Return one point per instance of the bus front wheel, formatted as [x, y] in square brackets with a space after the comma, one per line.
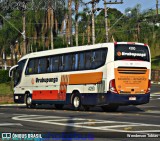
[76, 101]
[29, 103]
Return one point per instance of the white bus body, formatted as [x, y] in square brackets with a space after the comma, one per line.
[106, 75]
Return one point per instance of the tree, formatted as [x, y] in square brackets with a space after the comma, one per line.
[77, 15]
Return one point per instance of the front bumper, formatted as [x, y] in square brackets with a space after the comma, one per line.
[19, 98]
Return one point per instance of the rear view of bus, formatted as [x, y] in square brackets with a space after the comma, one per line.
[131, 79]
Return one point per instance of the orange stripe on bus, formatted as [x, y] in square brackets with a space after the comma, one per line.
[85, 78]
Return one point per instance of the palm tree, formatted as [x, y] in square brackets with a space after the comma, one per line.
[70, 22]
[77, 15]
[46, 25]
[85, 26]
[76, 20]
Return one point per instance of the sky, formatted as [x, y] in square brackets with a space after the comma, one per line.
[145, 4]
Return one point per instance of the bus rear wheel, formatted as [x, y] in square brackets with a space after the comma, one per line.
[59, 106]
[110, 108]
[76, 101]
[29, 103]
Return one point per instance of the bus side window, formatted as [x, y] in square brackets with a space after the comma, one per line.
[93, 61]
[81, 65]
[39, 66]
[54, 63]
[88, 56]
[67, 62]
[104, 54]
[30, 67]
[75, 62]
[43, 65]
[49, 66]
[61, 63]
[36, 61]
[100, 58]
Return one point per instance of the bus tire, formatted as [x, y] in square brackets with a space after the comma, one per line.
[29, 103]
[76, 101]
[110, 108]
[59, 106]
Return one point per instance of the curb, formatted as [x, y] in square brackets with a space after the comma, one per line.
[1, 105]
[153, 82]
[155, 93]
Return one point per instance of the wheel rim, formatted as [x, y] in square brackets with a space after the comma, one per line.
[29, 100]
[76, 102]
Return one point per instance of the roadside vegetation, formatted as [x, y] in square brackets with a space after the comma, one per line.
[6, 89]
[72, 26]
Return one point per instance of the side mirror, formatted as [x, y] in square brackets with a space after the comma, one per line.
[11, 70]
[10, 73]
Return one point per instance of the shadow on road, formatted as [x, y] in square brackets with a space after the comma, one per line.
[124, 109]
[129, 109]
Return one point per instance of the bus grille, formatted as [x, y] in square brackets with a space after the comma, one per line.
[129, 70]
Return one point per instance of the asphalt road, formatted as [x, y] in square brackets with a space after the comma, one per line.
[155, 89]
[128, 123]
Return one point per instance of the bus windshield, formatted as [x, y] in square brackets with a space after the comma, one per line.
[17, 72]
[131, 52]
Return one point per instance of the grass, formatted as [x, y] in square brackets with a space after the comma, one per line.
[156, 62]
[6, 102]
[6, 93]
[5, 89]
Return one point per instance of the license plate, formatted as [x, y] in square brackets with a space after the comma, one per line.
[132, 98]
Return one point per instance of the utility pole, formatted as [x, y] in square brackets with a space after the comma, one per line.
[24, 33]
[106, 15]
[93, 23]
[52, 24]
[138, 31]
[93, 2]
[70, 42]
[23, 9]
[157, 7]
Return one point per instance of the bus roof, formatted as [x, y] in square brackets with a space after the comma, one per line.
[72, 49]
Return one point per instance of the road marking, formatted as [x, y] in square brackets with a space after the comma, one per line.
[89, 123]
[155, 99]
[10, 124]
[39, 117]
[64, 120]
[155, 94]
[154, 112]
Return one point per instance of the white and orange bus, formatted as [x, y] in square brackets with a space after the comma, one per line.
[106, 75]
